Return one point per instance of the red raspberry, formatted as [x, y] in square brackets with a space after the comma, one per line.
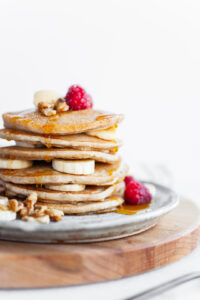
[128, 179]
[78, 99]
[137, 193]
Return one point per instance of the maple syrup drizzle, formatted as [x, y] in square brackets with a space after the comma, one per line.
[110, 172]
[128, 209]
[48, 142]
[103, 117]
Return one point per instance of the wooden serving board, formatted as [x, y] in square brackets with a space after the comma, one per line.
[36, 265]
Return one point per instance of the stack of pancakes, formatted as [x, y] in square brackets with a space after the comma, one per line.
[44, 145]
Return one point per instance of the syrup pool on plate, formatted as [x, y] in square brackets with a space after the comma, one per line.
[129, 209]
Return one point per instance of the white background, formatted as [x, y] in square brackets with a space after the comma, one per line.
[141, 58]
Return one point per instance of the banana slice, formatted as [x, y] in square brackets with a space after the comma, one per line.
[14, 163]
[66, 187]
[79, 167]
[7, 215]
[105, 134]
[46, 96]
[4, 201]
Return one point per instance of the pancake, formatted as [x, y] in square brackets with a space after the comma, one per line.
[14, 152]
[105, 174]
[107, 205]
[80, 141]
[91, 193]
[69, 122]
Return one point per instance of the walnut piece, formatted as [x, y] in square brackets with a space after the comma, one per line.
[40, 211]
[61, 105]
[55, 214]
[50, 109]
[46, 109]
[30, 202]
[15, 205]
[30, 211]
[23, 212]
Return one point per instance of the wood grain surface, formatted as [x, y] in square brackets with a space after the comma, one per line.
[36, 265]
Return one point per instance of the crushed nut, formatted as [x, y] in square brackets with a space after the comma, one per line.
[55, 214]
[15, 205]
[44, 220]
[50, 109]
[30, 202]
[56, 218]
[39, 211]
[61, 105]
[46, 109]
[44, 105]
[23, 212]
[30, 211]
[49, 112]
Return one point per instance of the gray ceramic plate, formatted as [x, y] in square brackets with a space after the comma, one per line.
[92, 228]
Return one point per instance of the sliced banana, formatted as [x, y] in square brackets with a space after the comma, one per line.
[4, 201]
[67, 187]
[79, 167]
[14, 163]
[105, 134]
[7, 215]
[46, 96]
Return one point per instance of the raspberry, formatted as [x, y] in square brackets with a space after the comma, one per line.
[128, 179]
[137, 193]
[78, 99]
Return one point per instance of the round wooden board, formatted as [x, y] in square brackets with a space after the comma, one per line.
[35, 265]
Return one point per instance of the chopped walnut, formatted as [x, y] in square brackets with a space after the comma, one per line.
[50, 109]
[44, 219]
[55, 214]
[61, 105]
[46, 109]
[23, 212]
[30, 202]
[30, 211]
[40, 211]
[15, 205]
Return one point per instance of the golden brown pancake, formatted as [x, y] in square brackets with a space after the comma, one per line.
[14, 152]
[105, 174]
[79, 141]
[91, 193]
[107, 205]
[69, 122]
